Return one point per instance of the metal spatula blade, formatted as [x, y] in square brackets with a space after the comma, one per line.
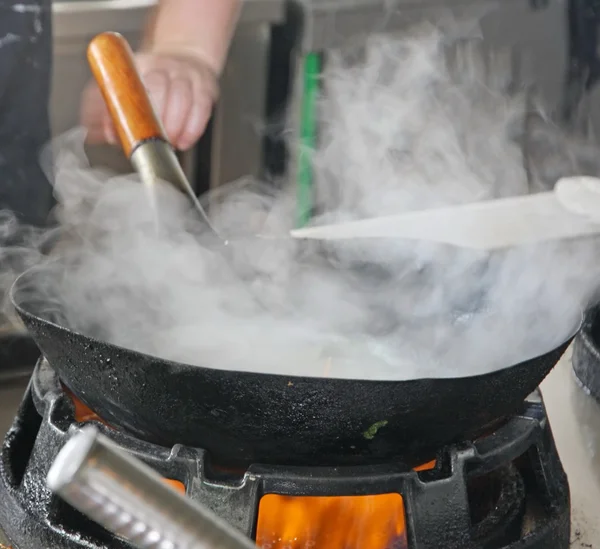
[572, 210]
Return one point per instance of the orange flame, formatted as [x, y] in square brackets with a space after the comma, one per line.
[176, 485]
[82, 412]
[426, 466]
[347, 522]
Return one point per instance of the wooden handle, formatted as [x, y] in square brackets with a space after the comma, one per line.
[131, 110]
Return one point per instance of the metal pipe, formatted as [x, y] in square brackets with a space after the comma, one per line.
[131, 500]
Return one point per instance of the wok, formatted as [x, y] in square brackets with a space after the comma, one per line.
[244, 417]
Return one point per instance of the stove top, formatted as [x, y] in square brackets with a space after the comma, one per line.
[505, 490]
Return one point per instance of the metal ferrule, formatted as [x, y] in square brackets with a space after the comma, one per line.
[131, 500]
[155, 161]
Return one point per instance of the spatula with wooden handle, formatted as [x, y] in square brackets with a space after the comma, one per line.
[572, 210]
[138, 127]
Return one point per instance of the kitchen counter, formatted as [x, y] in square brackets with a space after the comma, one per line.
[575, 420]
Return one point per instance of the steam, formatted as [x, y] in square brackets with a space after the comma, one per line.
[418, 121]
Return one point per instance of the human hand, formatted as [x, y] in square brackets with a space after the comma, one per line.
[183, 90]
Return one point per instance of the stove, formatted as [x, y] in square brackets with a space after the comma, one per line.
[506, 489]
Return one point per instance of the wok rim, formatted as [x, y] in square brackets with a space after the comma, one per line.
[282, 377]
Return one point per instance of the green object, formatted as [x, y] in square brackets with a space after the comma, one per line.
[308, 136]
[370, 433]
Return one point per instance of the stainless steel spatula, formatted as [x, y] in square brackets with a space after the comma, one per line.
[571, 210]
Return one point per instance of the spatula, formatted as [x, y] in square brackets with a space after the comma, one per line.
[139, 129]
[571, 210]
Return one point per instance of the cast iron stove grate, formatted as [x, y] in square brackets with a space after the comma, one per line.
[504, 490]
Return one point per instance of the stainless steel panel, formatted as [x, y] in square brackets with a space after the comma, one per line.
[330, 23]
[536, 38]
[541, 34]
[239, 119]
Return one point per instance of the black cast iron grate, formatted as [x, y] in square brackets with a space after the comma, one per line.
[502, 491]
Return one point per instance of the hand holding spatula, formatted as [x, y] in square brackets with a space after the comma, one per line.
[138, 127]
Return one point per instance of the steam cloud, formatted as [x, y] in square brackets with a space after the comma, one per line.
[412, 122]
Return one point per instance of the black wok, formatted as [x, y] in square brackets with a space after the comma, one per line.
[242, 417]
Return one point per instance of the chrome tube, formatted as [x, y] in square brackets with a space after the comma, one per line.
[131, 500]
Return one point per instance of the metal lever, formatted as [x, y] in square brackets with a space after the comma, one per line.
[131, 500]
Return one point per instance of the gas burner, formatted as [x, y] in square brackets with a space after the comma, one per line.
[503, 490]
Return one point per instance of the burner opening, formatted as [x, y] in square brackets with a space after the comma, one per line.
[20, 440]
[483, 495]
[541, 492]
[496, 506]
[438, 469]
[531, 468]
[216, 472]
[330, 522]
[79, 411]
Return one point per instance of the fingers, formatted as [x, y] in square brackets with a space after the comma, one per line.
[157, 85]
[182, 101]
[200, 110]
[95, 118]
[178, 107]
[196, 123]
[182, 94]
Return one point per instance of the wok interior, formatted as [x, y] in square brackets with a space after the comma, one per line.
[38, 292]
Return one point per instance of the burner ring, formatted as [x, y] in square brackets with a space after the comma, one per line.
[504, 519]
